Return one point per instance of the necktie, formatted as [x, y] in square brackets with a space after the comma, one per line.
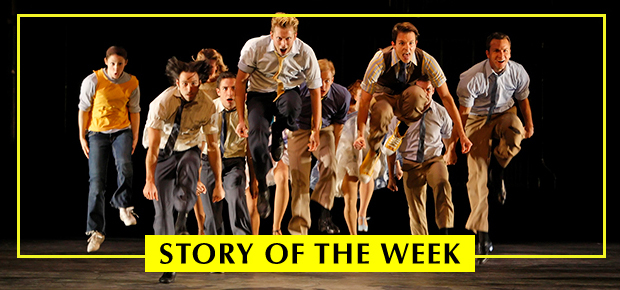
[280, 89]
[492, 95]
[172, 139]
[420, 156]
[224, 129]
[402, 72]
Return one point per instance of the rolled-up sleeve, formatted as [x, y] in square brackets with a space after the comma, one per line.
[431, 68]
[446, 125]
[212, 126]
[470, 85]
[247, 62]
[341, 115]
[523, 86]
[373, 72]
[160, 110]
[312, 73]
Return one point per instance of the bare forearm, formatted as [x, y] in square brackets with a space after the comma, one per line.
[83, 118]
[134, 118]
[317, 109]
[450, 105]
[215, 158]
[240, 93]
[362, 115]
[154, 137]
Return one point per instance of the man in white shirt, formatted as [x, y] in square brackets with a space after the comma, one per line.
[275, 65]
[423, 163]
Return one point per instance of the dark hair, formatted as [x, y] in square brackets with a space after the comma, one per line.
[424, 78]
[404, 27]
[175, 67]
[112, 50]
[496, 35]
[225, 75]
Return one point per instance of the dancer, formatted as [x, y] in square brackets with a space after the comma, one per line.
[387, 81]
[217, 63]
[486, 94]
[423, 163]
[347, 170]
[335, 101]
[177, 123]
[109, 124]
[233, 152]
[275, 65]
[207, 85]
[279, 176]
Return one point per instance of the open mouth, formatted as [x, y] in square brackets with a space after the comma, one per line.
[283, 51]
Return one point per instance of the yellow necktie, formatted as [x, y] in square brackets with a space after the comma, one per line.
[280, 89]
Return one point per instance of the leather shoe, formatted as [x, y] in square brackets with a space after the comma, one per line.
[496, 181]
[180, 227]
[262, 204]
[484, 246]
[326, 225]
[167, 277]
[483, 249]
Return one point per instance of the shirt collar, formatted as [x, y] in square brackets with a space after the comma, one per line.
[219, 107]
[488, 70]
[294, 50]
[395, 59]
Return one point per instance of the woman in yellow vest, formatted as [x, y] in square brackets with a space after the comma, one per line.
[109, 123]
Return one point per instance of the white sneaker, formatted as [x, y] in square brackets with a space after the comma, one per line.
[127, 216]
[94, 242]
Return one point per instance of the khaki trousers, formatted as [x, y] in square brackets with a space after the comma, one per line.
[509, 130]
[407, 107]
[433, 172]
[300, 167]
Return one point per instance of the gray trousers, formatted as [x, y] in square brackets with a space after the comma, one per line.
[175, 178]
[233, 181]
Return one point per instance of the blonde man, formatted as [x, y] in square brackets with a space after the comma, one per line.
[335, 101]
[275, 65]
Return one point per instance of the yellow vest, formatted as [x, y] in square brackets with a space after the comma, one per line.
[109, 110]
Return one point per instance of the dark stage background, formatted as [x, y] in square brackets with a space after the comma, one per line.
[554, 190]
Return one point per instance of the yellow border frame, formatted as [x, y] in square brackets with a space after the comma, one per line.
[603, 16]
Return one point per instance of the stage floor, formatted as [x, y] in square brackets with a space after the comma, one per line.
[128, 273]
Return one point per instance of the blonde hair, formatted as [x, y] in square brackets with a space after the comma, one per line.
[327, 65]
[284, 22]
[212, 54]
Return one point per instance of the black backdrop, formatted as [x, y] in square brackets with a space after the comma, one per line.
[554, 190]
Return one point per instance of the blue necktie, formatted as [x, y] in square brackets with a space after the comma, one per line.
[223, 132]
[402, 74]
[224, 129]
[176, 127]
[492, 95]
[420, 156]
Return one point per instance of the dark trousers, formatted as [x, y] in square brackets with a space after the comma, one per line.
[101, 145]
[233, 180]
[176, 178]
[261, 111]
